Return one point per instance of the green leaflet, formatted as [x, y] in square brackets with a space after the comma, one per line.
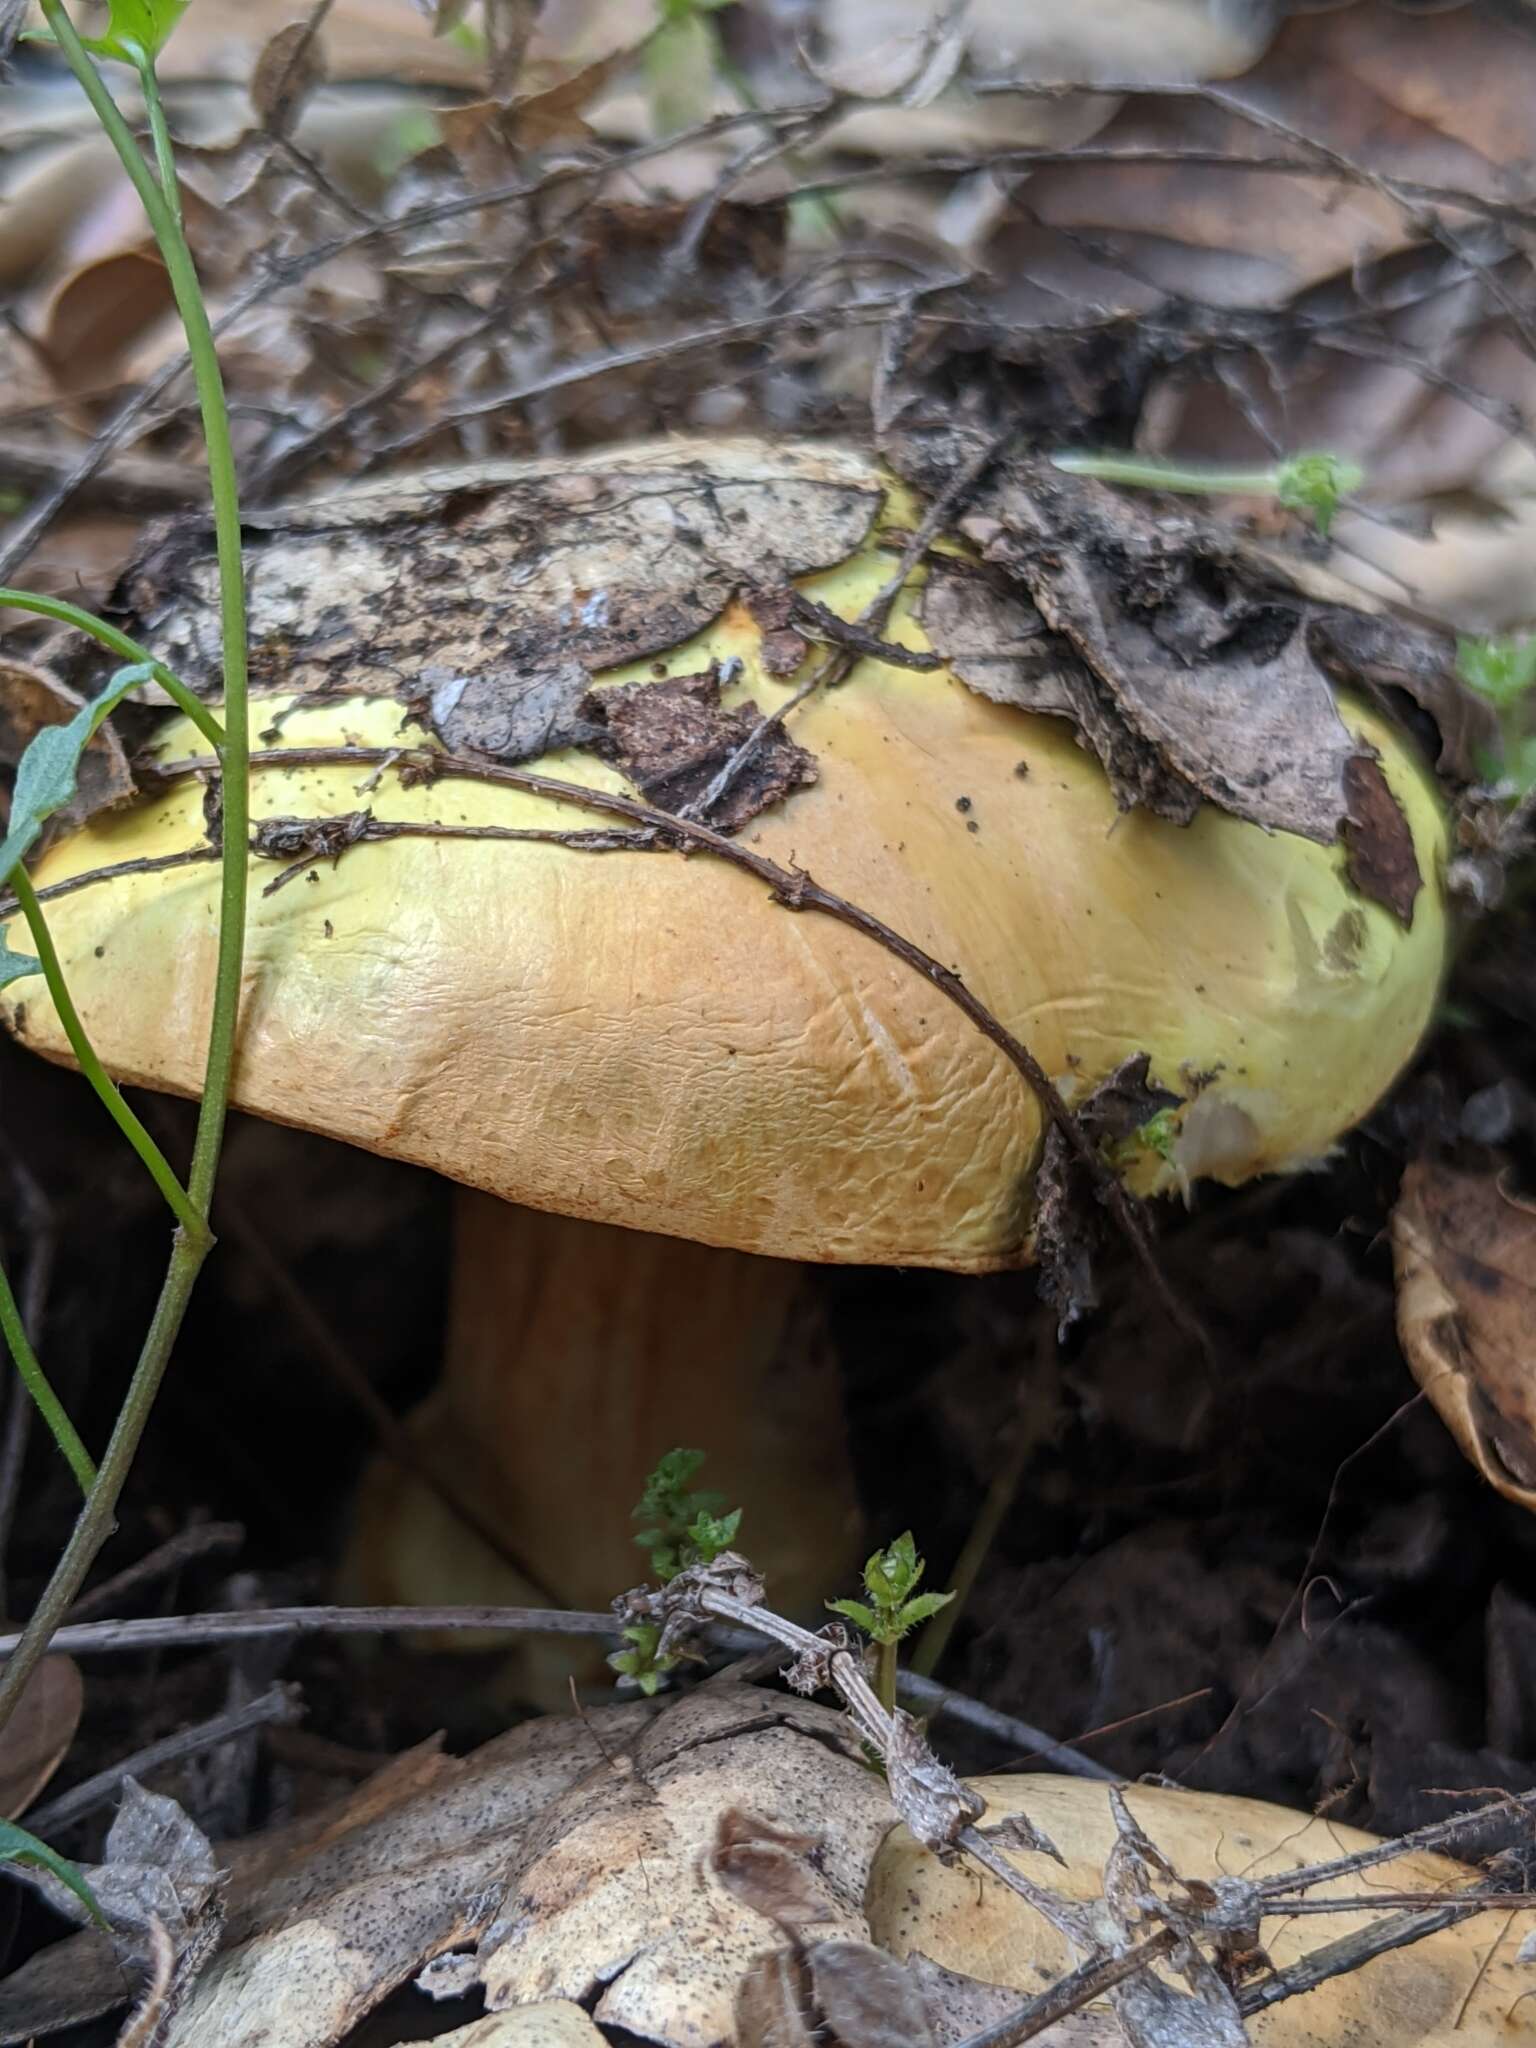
[17, 1846]
[14, 965]
[48, 771]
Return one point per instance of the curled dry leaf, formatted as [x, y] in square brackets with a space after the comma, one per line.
[36, 1739]
[615, 1894]
[1465, 1253]
[289, 70]
[834, 1994]
[328, 1915]
[1446, 1991]
[160, 1891]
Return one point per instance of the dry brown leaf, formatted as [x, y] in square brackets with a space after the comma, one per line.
[288, 72]
[328, 1915]
[99, 313]
[32, 697]
[613, 1895]
[1187, 678]
[1465, 1253]
[35, 1740]
[1451, 1989]
[554, 2024]
[834, 1994]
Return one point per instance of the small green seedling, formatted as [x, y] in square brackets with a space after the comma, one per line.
[894, 1608]
[1312, 482]
[1501, 669]
[679, 1526]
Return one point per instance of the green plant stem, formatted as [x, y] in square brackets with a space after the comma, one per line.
[35, 1380]
[160, 134]
[89, 1063]
[108, 636]
[885, 1675]
[97, 1519]
[1148, 473]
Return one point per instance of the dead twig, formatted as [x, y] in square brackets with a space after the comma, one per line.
[279, 1706]
[182, 1631]
[201, 1539]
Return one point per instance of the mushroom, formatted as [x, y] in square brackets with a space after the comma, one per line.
[664, 1092]
[1462, 1983]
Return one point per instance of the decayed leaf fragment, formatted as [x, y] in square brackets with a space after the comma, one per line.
[1446, 1991]
[616, 1892]
[1464, 1248]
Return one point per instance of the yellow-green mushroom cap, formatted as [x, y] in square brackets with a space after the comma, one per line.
[648, 1040]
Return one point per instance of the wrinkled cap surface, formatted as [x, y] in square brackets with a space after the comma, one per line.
[651, 1040]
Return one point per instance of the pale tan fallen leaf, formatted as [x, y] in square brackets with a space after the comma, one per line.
[36, 1739]
[614, 1893]
[554, 2024]
[1448, 1991]
[329, 1914]
[1465, 1254]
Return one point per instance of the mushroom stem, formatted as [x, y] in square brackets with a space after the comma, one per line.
[577, 1354]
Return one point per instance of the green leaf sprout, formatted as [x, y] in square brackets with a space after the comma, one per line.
[17, 1846]
[1312, 482]
[894, 1608]
[681, 1526]
[1501, 669]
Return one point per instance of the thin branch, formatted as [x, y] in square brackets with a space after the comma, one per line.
[183, 1631]
[279, 1704]
[187, 1546]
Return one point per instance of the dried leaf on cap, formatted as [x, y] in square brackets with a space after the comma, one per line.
[672, 738]
[1201, 686]
[493, 572]
[1464, 1248]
